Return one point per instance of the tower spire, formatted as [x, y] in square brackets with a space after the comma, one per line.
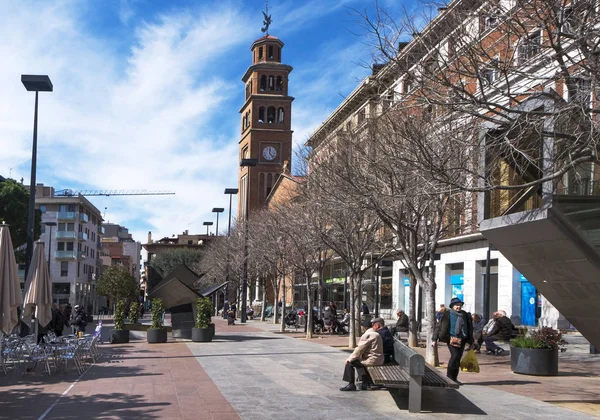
[267, 19]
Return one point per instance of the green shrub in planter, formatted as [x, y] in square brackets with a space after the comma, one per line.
[156, 333]
[537, 354]
[134, 312]
[202, 331]
[119, 334]
[203, 313]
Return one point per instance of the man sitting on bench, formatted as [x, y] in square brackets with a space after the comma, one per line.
[369, 352]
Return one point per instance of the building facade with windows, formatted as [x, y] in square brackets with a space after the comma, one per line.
[487, 58]
[71, 232]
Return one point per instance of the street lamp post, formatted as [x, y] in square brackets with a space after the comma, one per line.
[231, 192]
[248, 163]
[217, 210]
[49, 240]
[207, 224]
[33, 83]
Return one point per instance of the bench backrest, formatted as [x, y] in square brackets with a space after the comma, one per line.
[405, 356]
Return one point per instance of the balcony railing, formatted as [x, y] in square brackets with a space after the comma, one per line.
[65, 255]
[83, 236]
[80, 255]
[64, 234]
[101, 230]
[83, 217]
[66, 215]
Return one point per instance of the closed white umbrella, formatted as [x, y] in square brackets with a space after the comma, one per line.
[10, 289]
[38, 293]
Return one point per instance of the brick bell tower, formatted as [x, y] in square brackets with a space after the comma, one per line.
[266, 132]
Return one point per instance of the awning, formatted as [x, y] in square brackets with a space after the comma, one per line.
[209, 291]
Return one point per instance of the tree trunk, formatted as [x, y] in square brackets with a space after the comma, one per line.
[354, 326]
[320, 298]
[412, 312]
[275, 303]
[263, 310]
[283, 304]
[431, 355]
[309, 311]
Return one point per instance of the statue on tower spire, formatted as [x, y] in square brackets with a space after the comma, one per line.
[267, 19]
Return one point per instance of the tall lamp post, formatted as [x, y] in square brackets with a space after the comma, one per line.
[217, 210]
[49, 240]
[230, 192]
[33, 83]
[248, 163]
[207, 224]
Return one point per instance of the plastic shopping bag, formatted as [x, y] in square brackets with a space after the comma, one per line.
[469, 362]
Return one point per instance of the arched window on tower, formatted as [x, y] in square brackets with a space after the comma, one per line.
[260, 53]
[248, 120]
[271, 83]
[270, 52]
[263, 83]
[271, 115]
[279, 84]
[248, 90]
[261, 114]
[280, 115]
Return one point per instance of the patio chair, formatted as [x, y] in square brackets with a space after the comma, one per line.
[69, 352]
[12, 350]
[36, 354]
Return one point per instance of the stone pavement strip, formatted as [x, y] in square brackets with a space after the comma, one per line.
[270, 376]
[136, 380]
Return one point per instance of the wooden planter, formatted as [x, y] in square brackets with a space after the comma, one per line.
[541, 362]
[158, 335]
[202, 335]
[119, 336]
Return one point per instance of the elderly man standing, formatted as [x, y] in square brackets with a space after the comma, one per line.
[369, 352]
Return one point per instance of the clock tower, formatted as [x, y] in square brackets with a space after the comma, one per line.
[266, 133]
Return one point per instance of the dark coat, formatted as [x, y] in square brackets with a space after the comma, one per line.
[388, 341]
[442, 328]
[502, 329]
[59, 320]
[402, 323]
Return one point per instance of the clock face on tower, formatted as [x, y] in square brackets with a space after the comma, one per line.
[269, 153]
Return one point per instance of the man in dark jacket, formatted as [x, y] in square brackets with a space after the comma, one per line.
[59, 320]
[388, 341]
[502, 330]
[401, 323]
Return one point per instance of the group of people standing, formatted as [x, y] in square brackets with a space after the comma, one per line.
[67, 316]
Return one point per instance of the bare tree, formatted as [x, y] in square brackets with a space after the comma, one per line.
[523, 73]
[268, 248]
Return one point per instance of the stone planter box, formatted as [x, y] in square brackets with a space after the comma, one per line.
[542, 362]
[211, 327]
[119, 336]
[158, 335]
[202, 335]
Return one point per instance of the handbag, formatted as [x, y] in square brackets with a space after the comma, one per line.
[455, 341]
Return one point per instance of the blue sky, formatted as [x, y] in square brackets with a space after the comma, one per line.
[146, 95]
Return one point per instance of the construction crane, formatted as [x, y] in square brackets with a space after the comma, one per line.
[108, 193]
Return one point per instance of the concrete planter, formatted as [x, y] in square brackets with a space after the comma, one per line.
[119, 336]
[201, 335]
[158, 335]
[542, 362]
[211, 327]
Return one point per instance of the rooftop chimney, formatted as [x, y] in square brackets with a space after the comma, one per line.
[149, 236]
[401, 45]
[377, 67]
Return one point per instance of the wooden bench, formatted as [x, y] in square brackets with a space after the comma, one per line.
[409, 371]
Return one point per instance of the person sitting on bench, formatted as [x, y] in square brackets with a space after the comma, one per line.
[502, 330]
[369, 352]
[401, 323]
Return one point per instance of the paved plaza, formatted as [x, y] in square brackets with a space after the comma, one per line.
[252, 372]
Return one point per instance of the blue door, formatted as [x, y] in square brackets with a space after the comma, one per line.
[528, 303]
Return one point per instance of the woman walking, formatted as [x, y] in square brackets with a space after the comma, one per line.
[456, 329]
